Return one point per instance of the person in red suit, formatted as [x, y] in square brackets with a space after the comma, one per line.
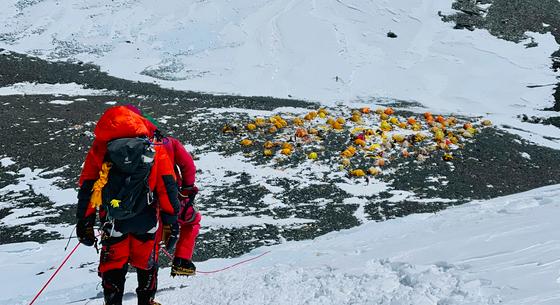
[189, 218]
[132, 240]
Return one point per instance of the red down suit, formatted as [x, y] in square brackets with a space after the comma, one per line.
[132, 240]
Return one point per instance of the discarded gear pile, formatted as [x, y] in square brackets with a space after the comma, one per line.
[376, 137]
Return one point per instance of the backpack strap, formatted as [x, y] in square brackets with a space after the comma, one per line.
[96, 200]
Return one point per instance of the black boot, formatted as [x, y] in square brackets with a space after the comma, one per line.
[182, 267]
[113, 285]
[147, 285]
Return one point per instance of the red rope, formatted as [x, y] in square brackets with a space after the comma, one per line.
[225, 268]
[164, 251]
[54, 274]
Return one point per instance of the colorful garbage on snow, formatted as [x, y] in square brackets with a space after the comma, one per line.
[364, 141]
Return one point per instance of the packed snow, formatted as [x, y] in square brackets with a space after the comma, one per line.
[41, 182]
[70, 89]
[61, 102]
[329, 51]
[501, 251]
[498, 251]
[5, 162]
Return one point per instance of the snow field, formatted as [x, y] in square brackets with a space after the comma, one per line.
[377, 282]
[500, 251]
[71, 89]
[330, 51]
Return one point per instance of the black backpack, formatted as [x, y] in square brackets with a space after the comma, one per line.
[127, 192]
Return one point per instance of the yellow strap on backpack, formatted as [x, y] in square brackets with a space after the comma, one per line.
[95, 200]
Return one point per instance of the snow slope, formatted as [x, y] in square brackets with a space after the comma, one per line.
[502, 251]
[328, 50]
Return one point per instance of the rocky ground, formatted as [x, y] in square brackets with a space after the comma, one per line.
[54, 138]
[511, 20]
[249, 200]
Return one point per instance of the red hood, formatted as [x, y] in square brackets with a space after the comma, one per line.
[151, 127]
[116, 122]
[120, 122]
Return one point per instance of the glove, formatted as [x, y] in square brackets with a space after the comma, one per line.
[187, 214]
[170, 236]
[84, 231]
[158, 135]
[188, 192]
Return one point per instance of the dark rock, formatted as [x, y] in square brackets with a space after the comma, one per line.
[532, 44]
[555, 121]
[391, 35]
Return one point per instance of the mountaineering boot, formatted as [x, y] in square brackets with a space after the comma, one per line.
[147, 285]
[143, 300]
[113, 285]
[152, 302]
[182, 267]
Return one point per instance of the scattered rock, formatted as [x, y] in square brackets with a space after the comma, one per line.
[553, 121]
[392, 35]
[533, 119]
[532, 44]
